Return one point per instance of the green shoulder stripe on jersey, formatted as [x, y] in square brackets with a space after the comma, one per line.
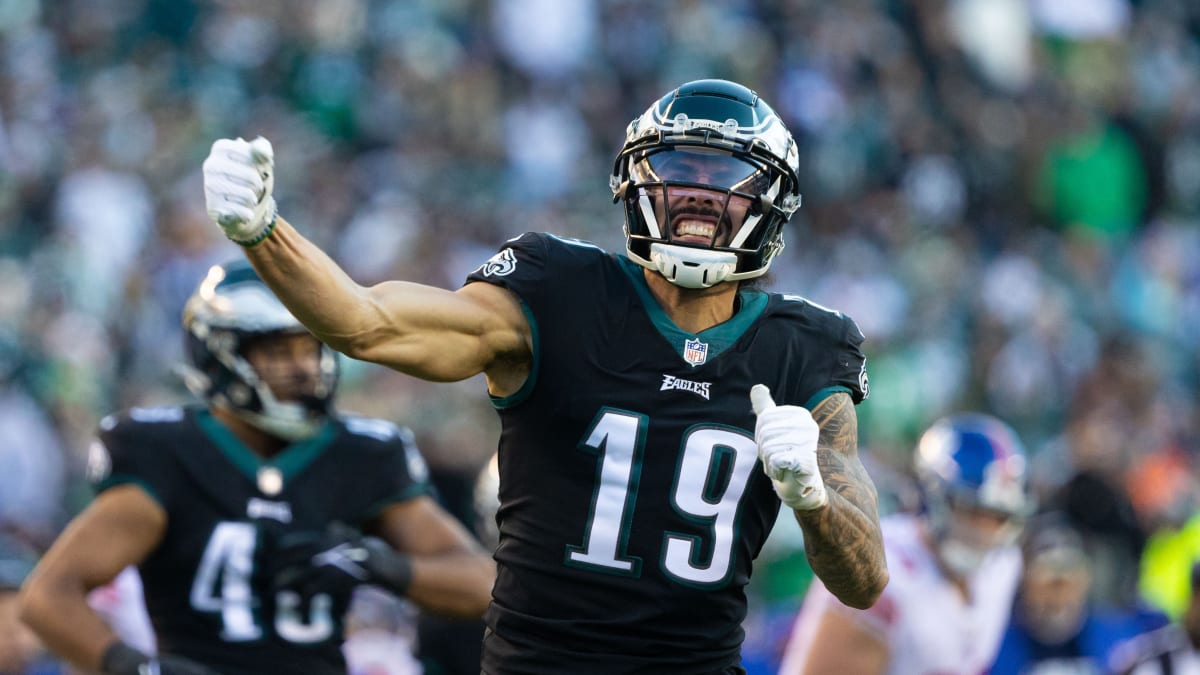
[515, 398]
[128, 479]
[719, 338]
[294, 459]
[825, 393]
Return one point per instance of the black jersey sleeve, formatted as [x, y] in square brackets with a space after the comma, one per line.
[539, 269]
[848, 364]
[530, 264]
[129, 449]
[521, 265]
[392, 462]
[829, 345]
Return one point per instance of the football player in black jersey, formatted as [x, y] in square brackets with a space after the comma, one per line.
[642, 457]
[250, 518]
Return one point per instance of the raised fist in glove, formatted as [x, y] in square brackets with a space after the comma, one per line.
[335, 561]
[787, 445]
[239, 177]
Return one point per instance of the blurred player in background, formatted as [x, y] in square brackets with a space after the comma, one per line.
[632, 502]
[225, 509]
[1056, 627]
[954, 568]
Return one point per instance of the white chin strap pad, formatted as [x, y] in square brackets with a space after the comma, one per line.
[288, 420]
[692, 267]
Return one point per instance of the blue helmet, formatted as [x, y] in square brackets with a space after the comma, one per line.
[231, 307]
[972, 464]
[712, 135]
[974, 460]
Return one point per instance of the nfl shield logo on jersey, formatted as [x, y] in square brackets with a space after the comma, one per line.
[695, 352]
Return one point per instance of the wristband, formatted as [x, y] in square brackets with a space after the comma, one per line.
[263, 235]
[393, 571]
[121, 659]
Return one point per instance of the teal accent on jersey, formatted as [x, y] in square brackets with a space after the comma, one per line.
[823, 394]
[572, 241]
[290, 462]
[718, 338]
[502, 402]
[125, 479]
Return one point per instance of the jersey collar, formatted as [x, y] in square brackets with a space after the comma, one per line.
[290, 462]
[751, 304]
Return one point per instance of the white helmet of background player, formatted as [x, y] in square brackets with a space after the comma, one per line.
[708, 176]
[231, 308]
[972, 472]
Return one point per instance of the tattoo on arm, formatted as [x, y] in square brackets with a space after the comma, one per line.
[843, 540]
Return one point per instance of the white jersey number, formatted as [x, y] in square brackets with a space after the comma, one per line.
[699, 493]
[222, 584]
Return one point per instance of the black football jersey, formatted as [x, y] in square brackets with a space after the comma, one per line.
[206, 599]
[632, 501]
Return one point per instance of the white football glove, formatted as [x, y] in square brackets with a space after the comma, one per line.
[238, 179]
[787, 445]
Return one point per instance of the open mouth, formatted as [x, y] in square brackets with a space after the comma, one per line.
[690, 228]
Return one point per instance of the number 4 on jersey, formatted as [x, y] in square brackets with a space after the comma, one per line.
[222, 584]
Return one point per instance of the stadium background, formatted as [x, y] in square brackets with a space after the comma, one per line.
[1005, 194]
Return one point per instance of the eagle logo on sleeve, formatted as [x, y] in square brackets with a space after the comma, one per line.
[500, 265]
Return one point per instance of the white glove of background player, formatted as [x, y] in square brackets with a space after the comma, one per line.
[238, 179]
[787, 445]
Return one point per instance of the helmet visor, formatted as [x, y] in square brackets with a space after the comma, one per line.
[696, 166]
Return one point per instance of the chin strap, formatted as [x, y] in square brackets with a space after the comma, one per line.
[692, 267]
[288, 421]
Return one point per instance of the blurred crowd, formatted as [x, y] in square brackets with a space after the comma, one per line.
[1005, 194]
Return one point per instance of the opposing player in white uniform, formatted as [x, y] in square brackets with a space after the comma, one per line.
[954, 567]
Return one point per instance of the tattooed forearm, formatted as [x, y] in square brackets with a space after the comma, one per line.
[843, 540]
